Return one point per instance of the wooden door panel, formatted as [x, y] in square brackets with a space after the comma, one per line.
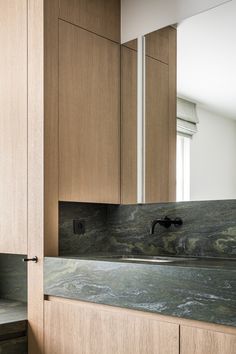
[13, 126]
[201, 341]
[89, 117]
[157, 131]
[129, 124]
[83, 328]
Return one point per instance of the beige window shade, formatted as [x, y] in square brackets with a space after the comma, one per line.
[187, 119]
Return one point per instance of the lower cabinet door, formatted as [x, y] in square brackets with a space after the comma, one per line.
[202, 341]
[73, 327]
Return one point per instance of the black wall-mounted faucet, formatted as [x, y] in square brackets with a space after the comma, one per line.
[166, 222]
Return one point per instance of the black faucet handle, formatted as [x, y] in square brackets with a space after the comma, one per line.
[178, 222]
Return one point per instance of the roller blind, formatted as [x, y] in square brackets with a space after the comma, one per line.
[187, 119]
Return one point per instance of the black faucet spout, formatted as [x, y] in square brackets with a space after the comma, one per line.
[166, 222]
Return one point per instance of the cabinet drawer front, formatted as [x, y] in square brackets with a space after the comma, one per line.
[202, 341]
[96, 329]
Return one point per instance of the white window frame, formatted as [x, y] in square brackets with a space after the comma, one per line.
[183, 168]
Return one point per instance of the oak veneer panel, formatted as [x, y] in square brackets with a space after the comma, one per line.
[172, 112]
[128, 125]
[89, 117]
[157, 132]
[101, 16]
[201, 341]
[13, 126]
[51, 127]
[35, 173]
[81, 328]
[157, 45]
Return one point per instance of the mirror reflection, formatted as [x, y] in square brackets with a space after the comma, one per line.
[187, 141]
[206, 105]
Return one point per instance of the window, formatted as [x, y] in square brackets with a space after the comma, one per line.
[183, 168]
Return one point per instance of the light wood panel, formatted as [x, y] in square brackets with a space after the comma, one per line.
[157, 45]
[162, 318]
[89, 117]
[100, 16]
[51, 127]
[128, 125]
[35, 173]
[172, 112]
[157, 132]
[75, 327]
[13, 126]
[201, 341]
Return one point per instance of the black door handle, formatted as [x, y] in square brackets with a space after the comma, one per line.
[34, 259]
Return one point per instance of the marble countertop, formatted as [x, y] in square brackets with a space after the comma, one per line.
[202, 289]
[13, 318]
[190, 262]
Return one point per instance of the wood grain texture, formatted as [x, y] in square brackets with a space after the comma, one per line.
[101, 16]
[81, 328]
[131, 44]
[162, 318]
[35, 172]
[51, 128]
[128, 125]
[172, 111]
[157, 132]
[201, 341]
[89, 117]
[13, 126]
[157, 45]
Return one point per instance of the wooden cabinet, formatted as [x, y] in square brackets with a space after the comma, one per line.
[160, 116]
[129, 123]
[101, 16]
[158, 167]
[157, 131]
[206, 341]
[89, 116]
[13, 126]
[81, 328]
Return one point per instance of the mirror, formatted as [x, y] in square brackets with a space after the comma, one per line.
[205, 141]
[206, 108]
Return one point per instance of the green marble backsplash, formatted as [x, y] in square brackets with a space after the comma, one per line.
[209, 229]
[13, 277]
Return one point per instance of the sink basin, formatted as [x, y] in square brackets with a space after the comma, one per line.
[151, 259]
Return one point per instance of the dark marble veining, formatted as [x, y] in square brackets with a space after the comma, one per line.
[209, 229]
[198, 290]
[13, 277]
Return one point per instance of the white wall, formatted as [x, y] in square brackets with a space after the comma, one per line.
[139, 17]
[213, 158]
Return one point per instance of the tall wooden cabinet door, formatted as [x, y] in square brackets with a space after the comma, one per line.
[13, 126]
[129, 124]
[201, 341]
[157, 131]
[89, 116]
[83, 328]
[160, 118]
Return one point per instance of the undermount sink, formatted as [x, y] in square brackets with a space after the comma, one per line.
[151, 259]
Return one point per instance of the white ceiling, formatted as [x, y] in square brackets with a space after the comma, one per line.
[139, 17]
[207, 59]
